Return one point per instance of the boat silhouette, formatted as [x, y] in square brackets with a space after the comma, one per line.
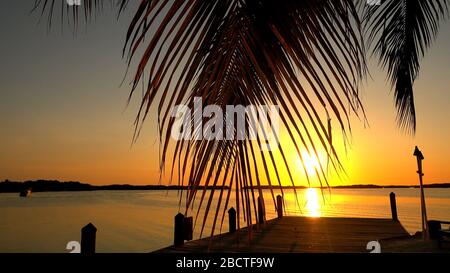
[26, 193]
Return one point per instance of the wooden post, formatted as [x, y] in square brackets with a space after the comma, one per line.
[261, 210]
[280, 206]
[232, 220]
[418, 154]
[188, 228]
[434, 227]
[393, 206]
[88, 234]
[179, 230]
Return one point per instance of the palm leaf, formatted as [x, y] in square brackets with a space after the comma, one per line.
[401, 31]
[292, 54]
[307, 57]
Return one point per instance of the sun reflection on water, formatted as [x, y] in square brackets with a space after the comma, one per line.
[313, 208]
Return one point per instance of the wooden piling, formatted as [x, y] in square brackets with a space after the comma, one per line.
[232, 220]
[280, 206]
[393, 206]
[434, 227]
[179, 230]
[88, 234]
[261, 210]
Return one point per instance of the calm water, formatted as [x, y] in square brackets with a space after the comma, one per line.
[141, 221]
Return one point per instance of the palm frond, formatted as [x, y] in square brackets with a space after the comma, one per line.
[289, 53]
[402, 31]
[306, 56]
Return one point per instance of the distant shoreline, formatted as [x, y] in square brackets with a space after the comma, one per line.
[366, 186]
[57, 186]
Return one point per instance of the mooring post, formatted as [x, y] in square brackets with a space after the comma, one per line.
[179, 230]
[418, 154]
[261, 210]
[232, 220]
[280, 206]
[434, 227]
[393, 206]
[88, 234]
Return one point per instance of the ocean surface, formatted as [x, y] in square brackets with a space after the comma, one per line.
[142, 221]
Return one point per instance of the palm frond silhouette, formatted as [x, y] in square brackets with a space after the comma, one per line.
[308, 57]
[401, 33]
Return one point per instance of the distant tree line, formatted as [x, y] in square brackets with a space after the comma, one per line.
[55, 185]
[362, 186]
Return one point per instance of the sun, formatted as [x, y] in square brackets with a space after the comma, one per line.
[310, 162]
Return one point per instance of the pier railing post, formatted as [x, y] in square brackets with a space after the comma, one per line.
[393, 206]
[261, 210]
[88, 234]
[232, 220]
[280, 206]
[179, 230]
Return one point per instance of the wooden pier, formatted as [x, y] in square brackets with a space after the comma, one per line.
[301, 234]
[293, 234]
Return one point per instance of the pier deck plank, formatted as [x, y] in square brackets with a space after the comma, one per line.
[301, 234]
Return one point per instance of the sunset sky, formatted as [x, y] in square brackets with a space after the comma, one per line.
[63, 111]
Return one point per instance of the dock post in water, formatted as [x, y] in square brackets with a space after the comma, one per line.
[88, 234]
[232, 220]
[179, 230]
[433, 229]
[261, 210]
[280, 206]
[393, 206]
